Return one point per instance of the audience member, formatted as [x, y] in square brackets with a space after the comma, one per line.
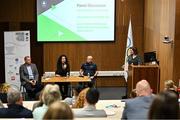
[59, 110]
[76, 91]
[169, 85]
[133, 93]
[79, 103]
[38, 103]
[89, 110]
[1, 104]
[51, 93]
[138, 107]
[165, 106]
[15, 106]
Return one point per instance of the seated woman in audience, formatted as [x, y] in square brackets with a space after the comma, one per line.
[39, 103]
[1, 104]
[89, 110]
[79, 103]
[76, 91]
[170, 86]
[133, 93]
[59, 110]
[51, 93]
[165, 106]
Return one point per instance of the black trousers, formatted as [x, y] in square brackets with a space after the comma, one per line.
[64, 89]
[31, 90]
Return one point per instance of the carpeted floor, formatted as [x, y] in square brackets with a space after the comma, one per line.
[109, 93]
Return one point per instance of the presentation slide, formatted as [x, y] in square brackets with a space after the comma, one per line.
[75, 20]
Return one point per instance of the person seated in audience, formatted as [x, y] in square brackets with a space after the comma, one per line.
[38, 103]
[1, 104]
[15, 106]
[76, 91]
[165, 106]
[138, 107]
[169, 85]
[29, 77]
[89, 69]
[79, 103]
[59, 110]
[51, 93]
[133, 93]
[89, 110]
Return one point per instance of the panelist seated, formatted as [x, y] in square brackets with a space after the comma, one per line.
[133, 57]
[89, 110]
[63, 70]
[29, 77]
[89, 69]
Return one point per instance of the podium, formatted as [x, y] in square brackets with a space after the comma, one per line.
[140, 72]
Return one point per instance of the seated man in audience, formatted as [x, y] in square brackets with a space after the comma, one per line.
[15, 106]
[89, 69]
[89, 110]
[138, 107]
[29, 77]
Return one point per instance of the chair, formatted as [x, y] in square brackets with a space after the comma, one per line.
[23, 91]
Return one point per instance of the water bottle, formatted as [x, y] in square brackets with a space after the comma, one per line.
[67, 74]
[88, 75]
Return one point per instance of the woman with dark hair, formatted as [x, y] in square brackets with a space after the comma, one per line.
[133, 57]
[165, 106]
[63, 70]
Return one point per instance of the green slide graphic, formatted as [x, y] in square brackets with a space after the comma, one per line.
[50, 30]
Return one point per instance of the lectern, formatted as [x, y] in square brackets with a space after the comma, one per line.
[147, 72]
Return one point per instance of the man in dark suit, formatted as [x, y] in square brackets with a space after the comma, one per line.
[15, 106]
[138, 107]
[29, 77]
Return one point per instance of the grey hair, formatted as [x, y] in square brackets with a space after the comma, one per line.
[13, 95]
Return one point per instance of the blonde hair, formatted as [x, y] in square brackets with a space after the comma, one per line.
[59, 110]
[51, 93]
[169, 85]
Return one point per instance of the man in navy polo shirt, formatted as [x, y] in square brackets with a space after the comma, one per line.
[89, 69]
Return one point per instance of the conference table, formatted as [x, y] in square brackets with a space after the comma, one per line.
[113, 108]
[71, 79]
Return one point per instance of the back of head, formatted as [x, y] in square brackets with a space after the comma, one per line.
[143, 88]
[51, 93]
[14, 96]
[92, 96]
[169, 85]
[165, 106]
[59, 110]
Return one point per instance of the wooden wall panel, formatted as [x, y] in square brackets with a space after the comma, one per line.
[159, 22]
[107, 55]
[177, 44]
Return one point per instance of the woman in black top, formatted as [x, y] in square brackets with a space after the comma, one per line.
[63, 70]
[133, 57]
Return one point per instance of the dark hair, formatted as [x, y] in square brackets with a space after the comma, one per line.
[60, 58]
[25, 58]
[165, 106]
[92, 96]
[78, 89]
[135, 50]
